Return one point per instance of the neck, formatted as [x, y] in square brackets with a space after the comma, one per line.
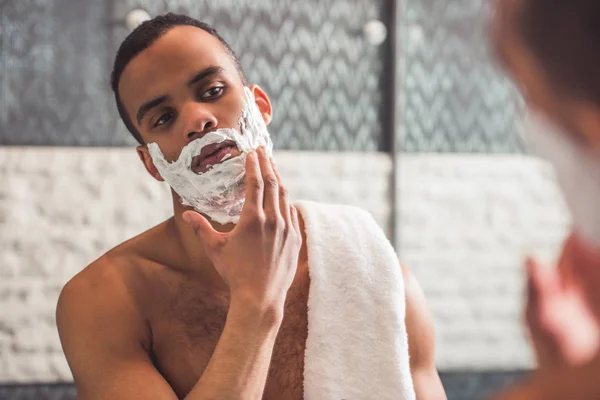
[194, 258]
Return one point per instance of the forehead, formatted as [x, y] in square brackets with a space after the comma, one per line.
[173, 58]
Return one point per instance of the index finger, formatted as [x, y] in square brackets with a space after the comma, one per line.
[254, 182]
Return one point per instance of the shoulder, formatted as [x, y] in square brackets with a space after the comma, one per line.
[105, 338]
[116, 281]
[102, 277]
[112, 274]
[98, 298]
[112, 289]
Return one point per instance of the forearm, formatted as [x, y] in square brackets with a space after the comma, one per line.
[239, 365]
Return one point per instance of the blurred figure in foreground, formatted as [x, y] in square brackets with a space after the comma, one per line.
[551, 48]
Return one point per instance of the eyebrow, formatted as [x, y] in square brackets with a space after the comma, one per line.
[200, 76]
[205, 74]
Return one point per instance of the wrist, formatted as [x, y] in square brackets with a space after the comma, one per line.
[256, 313]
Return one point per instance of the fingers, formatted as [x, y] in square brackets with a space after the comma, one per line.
[533, 278]
[264, 182]
[542, 283]
[271, 187]
[565, 262]
[203, 229]
[288, 211]
[540, 288]
[583, 252]
[295, 219]
[533, 286]
[284, 198]
[586, 267]
[254, 185]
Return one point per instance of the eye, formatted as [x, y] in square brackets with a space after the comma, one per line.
[213, 92]
[166, 117]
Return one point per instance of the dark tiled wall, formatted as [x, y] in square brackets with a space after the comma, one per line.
[452, 97]
[327, 83]
[38, 392]
[459, 386]
[54, 63]
[325, 80]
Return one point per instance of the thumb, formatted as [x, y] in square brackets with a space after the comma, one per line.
[202, 228]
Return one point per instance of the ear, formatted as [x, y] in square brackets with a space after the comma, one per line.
[263, 103]
[146, 159]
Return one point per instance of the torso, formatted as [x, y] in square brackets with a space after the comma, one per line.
[186, 319]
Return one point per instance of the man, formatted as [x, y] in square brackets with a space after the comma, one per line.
[192, 309]
[550, 47]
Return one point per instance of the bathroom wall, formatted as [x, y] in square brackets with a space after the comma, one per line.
[450, 183]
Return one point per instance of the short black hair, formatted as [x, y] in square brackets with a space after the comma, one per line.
[564, 37]
[143, 37]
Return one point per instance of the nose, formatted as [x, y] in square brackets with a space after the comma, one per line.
[199, 120]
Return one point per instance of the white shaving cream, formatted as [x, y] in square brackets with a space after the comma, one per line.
[219, 192]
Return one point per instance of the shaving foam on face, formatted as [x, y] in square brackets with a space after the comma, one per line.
[219, 192]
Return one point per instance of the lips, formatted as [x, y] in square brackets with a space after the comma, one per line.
[213, 154]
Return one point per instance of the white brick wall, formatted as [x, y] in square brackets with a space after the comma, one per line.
[61, 208]
[465, 224]
[465, 221]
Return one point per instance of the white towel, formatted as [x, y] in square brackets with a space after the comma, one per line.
[357, 346]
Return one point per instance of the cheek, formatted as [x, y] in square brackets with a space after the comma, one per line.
[231, 111]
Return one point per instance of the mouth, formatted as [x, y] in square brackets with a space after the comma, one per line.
[214, 154]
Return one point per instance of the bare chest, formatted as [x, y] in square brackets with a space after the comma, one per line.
[190, 326]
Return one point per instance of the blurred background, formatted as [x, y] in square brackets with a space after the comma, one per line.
[392, 105]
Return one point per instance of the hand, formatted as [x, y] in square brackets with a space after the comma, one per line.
[258, 258]
[564, 304]
[583, 263]
[562, 328]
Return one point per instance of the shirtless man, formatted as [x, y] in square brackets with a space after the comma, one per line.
[192, 309]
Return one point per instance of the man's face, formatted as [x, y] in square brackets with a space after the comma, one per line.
[579, 118]
[183, 86]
